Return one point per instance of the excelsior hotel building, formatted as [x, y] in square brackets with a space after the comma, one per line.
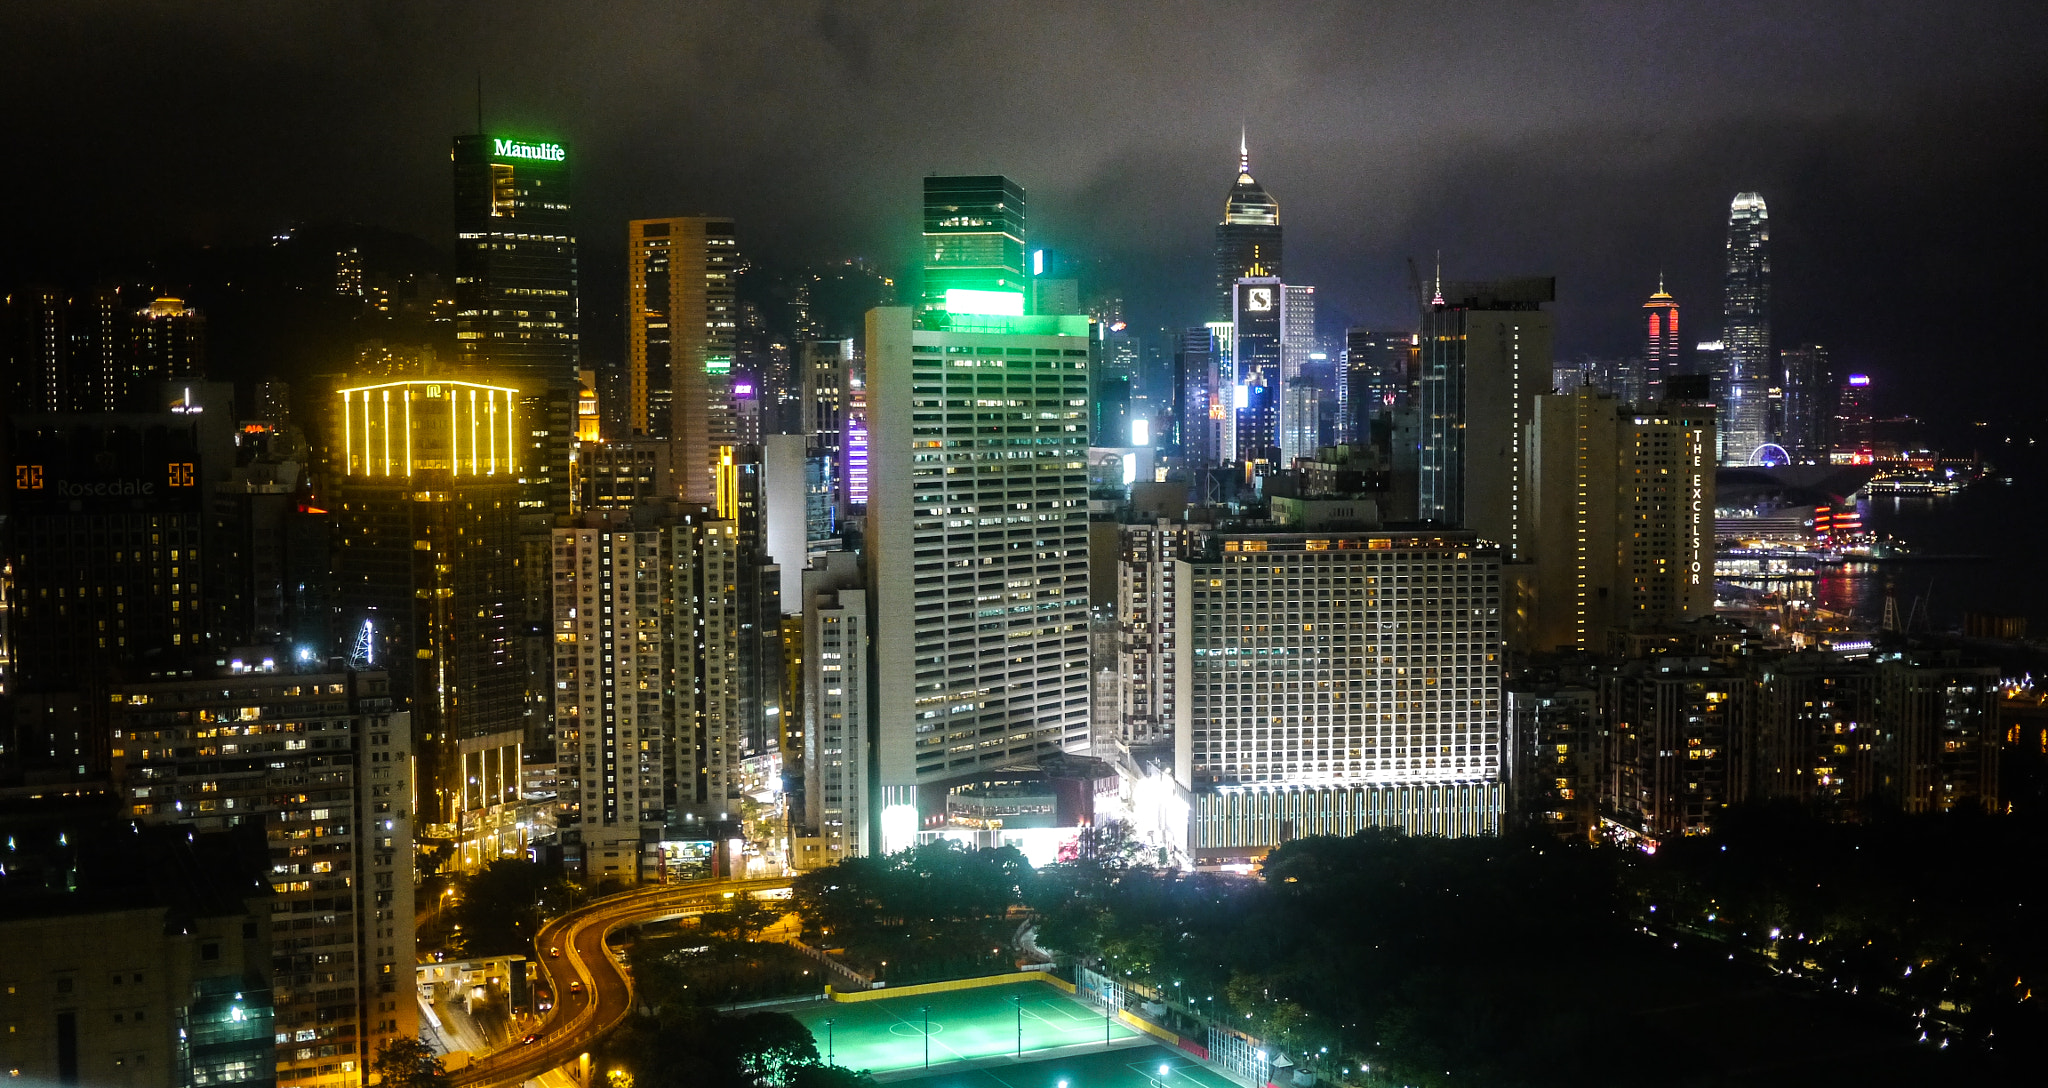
[1333, 682]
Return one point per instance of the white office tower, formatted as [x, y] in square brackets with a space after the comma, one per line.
[977, 547]
[647, 695]
[836, 706]
[1329, 683]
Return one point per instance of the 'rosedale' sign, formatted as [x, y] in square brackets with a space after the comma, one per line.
[520, 149]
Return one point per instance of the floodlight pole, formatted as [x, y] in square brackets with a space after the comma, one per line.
[828, 1044]
[927, 1010]
[1018, 1000]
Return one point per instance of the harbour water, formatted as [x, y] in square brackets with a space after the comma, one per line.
[1984, 550]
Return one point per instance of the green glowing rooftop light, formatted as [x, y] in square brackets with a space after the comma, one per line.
[961, 300]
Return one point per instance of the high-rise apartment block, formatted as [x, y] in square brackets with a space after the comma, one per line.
[428, 567]
[836, 680]
[321, 761]
[1621, 515]
[1486, 356]
[977, 547]
[648, 711]
[1147, 567]
[1678, 747]
[1938, 749]
[1328, 683]
[681, 323]
[1749, 362]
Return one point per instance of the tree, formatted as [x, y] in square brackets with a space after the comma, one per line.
[500, 906]
[408, 1063]
[772, 1047]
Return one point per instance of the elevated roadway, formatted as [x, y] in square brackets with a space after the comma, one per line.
[579, 1019]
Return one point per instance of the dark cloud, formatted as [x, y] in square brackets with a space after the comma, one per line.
[1894, 140]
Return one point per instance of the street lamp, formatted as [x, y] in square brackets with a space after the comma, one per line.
[828, 1043]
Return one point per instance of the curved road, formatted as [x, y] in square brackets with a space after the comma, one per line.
[578, 1020]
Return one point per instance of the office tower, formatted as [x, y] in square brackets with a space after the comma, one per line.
[1147, 564]
[647, 688]
[1555, 757]
[1332, 682]
[1055, 296]
[1807, 414]
[836, 716]
[1112, 383]
[517, 312]
[1620, 515]
[428, 566]
[515, 262]
[1300, 409]
[977, 548]
[1374, 378]
[1485, 359]
[107, 541]
[1255, 386]
[135, 956]
[1746, 330]
[1678, 739]
[1852, 421]
[1660, 344]
[1248, 237]
[320, 760]
[974, 243]
[681, 321]
[626, 472]
[786, 512]
[1199, 419]
[1938, 746]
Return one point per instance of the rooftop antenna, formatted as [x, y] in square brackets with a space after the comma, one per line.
[1439, 299]
[1244, 152]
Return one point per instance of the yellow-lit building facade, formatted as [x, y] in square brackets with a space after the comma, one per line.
[427, 477]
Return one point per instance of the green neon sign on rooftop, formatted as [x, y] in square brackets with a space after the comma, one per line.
[524, 149]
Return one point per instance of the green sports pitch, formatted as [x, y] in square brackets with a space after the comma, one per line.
[1125, 1067]
[888, 1034]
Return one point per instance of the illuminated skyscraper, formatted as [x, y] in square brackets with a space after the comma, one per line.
[1485, 358]
[1258, 318]
[1248, 237]
[977, 549]
[516, 301]
[428, 566]
[1746, 330]
[1660, 342]
[974, 242]
[1807, 415]
[681, 319]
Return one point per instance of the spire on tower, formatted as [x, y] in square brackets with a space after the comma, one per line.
[1439, 299]
[1244, 153]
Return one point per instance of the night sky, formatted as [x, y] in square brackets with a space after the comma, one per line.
[1898, 144]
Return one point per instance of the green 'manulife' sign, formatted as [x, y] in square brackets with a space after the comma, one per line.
[520, 149]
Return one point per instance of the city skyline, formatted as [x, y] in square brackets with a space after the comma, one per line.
[1370, 178]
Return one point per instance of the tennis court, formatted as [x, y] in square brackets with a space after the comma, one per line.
[1125, 1067]
[890, 1034]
